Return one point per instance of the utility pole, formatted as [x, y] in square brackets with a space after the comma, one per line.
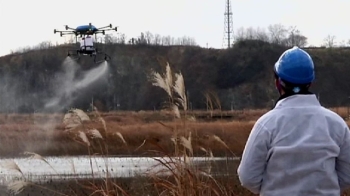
[228, 25]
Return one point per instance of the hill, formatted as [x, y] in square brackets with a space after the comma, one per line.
[240, 77]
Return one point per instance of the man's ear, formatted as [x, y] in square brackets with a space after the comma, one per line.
[278, 86]
[277, 83]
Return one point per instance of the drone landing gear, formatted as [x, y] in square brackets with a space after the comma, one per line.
[76, 54]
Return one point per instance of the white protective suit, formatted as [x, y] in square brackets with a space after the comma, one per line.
[297, 149]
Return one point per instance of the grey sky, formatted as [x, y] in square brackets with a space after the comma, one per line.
[27, 23]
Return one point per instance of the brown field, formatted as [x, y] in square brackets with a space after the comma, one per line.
[143, 133]
[45, 134]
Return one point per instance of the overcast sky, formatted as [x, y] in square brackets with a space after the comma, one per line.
[27, 23]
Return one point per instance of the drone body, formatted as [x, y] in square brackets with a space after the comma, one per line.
[85, 32]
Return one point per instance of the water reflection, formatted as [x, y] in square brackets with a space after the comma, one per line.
[87, 167]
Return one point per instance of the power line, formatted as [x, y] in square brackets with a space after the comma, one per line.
[228, 25]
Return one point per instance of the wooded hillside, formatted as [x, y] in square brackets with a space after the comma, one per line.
[241, 77]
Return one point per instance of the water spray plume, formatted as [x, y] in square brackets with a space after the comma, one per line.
[91, 76]
[67, 84]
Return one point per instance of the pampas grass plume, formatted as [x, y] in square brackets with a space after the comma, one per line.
[121, 137]
[83, 136]
[95, 133]
[11, 165]
[17, 187]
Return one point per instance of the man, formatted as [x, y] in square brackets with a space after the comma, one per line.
[299, 147]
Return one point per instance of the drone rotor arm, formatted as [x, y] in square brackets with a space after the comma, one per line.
[110, 29]
[109, 26]
[56, 31]
[69, 28]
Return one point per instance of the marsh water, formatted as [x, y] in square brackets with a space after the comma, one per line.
[57, 168]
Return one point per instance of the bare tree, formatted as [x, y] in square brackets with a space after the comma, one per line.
[108, 39]
[185, 41]
[250, 33]
[157, 39]
[166, 40]
[172, 40]
[43, 45]
[295, 38]
[300, 40]
[149, 37]
[239, 34]
[142, 39]
[342, 43]
[71, 39]
[122, 38]
[261, 34]
[329, 41]
[132, 41]
[277, 33]
[191, 41]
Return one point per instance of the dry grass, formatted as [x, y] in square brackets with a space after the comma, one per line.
[144, 133]
[131, 128]
[45, 133]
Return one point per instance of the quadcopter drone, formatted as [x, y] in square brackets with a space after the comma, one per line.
[86, 43]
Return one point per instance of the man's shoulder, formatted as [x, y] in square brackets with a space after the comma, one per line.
[331, 114]
[270, 115]
[275, 113]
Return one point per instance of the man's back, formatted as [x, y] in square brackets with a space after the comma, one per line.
[300, 141]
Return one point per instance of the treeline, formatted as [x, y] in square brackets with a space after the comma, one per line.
[145, 38]
[275, 34]
[285, 36]
[149, 38]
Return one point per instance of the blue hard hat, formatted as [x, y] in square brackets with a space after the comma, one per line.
[295, 66]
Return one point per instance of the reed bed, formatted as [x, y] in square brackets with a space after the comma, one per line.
[54, 140]
[175, 140]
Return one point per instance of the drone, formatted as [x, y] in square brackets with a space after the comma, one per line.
[85, 32]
